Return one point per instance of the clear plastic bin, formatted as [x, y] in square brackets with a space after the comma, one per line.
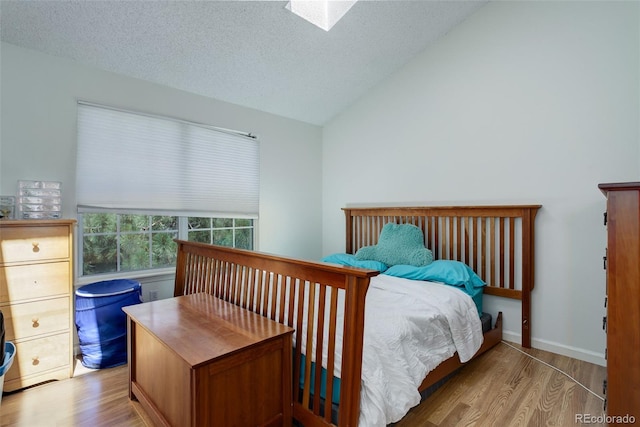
[39, 199]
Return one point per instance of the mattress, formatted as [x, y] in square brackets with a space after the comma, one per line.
[485, 319]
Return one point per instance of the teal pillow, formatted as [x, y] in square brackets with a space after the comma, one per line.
[352, 261]
[446, 271]
[398, 244]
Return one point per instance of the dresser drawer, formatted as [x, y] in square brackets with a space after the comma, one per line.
[37, 356]
[20, 282]
[20, 244]
[36, 318]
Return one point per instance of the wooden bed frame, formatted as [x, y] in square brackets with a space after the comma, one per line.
[496, 241]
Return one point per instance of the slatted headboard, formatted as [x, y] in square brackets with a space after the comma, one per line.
[497, 242]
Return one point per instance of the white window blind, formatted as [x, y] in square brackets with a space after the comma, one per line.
[131, 161]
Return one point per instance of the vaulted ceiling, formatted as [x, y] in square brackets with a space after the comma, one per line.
[253, 53]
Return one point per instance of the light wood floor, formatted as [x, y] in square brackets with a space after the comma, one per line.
[501, 388]
[506, 388]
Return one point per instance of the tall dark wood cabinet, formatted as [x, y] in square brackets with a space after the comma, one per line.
[622, 321]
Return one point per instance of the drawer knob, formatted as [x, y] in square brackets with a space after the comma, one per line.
[35, 322]
[35, 360]
[36, 246]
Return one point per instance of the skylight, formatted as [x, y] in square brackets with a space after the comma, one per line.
[322, 13]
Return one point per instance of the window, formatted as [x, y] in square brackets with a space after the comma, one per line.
[234, 232]
[119, 243]
[144, 180]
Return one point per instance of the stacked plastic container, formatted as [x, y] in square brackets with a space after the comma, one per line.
[39, 199]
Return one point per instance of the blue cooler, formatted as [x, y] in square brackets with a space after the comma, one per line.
[101, 323]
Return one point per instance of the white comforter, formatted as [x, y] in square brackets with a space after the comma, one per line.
[410, 328]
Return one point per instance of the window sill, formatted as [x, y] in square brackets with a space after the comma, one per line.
[135, 275]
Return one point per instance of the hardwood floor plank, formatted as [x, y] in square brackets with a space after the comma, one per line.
[455, 416]
[507, 388]
[501, 388]
[99, 398]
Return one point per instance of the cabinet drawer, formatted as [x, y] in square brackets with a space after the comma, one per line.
[18, 244]
[36, 318]
[20, 282]
[36, 356]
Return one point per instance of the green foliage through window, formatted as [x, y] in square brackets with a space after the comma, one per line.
[113, 242]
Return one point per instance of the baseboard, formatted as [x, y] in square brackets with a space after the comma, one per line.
[562, 349]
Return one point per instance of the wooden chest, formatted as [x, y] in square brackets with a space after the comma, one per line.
[196, 360]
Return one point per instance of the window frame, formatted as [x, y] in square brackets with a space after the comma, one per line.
[182, 234]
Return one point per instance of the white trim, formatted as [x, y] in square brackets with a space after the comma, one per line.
[562, 349]
[135, 275]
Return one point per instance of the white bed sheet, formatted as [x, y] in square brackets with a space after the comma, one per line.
[410, 328]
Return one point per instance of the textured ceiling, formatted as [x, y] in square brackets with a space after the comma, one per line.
[252, 53]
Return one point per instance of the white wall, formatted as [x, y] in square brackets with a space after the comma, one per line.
[525, 102]
[38, 139]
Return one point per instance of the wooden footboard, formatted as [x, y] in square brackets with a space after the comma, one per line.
[296, 293]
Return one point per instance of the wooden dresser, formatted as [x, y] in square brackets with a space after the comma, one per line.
[622, 321]
[36, 291]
